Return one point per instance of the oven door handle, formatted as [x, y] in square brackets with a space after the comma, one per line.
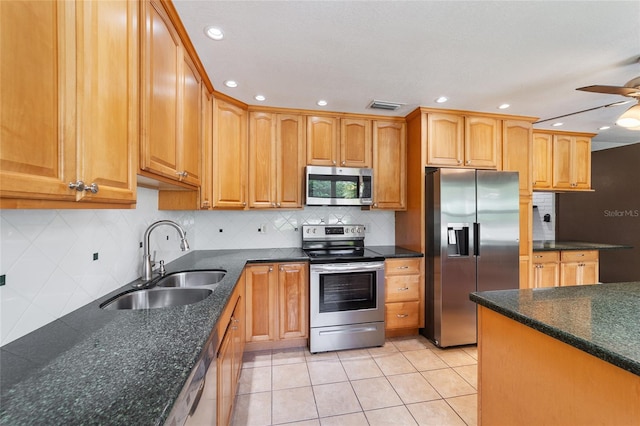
[342, 267]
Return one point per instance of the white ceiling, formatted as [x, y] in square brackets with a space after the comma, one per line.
[530, 54]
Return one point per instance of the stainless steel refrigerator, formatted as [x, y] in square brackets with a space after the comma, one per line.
[472, 238]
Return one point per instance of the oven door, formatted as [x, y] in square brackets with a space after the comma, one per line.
[346, 293]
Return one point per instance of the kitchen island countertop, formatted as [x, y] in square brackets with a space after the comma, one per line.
[600, 319]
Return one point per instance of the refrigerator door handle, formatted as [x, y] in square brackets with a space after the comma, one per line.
[476, 239]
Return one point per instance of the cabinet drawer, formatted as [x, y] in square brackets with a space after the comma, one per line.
[402, 266]
[546, 256]
[575, 256]
[402, 315]
[402, 288]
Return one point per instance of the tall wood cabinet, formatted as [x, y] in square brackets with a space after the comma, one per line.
[276, 160]
[72, 65]
[171, 138]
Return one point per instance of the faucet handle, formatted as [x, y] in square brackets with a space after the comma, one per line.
[162, 270]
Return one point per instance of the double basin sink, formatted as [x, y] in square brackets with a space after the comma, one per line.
[177, 289]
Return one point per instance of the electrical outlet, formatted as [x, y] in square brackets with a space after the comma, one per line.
[3, 280]
[95, 256]
[220, 230]
[367, 228]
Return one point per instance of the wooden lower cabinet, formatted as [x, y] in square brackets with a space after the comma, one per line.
[565, 268]
[404, 295]
[277, 303]
[579, 268]
[229, 354]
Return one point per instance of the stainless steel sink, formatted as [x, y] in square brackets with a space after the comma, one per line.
[157, 298]
[192, 278]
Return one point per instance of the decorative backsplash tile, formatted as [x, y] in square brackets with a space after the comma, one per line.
[47, 255]
[545, 203]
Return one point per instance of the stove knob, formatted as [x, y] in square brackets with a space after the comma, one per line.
[359, 230]
[314, 230]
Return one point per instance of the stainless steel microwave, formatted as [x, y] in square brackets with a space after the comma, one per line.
[339, 186]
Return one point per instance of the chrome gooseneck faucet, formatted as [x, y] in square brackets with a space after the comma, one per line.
[146, 258]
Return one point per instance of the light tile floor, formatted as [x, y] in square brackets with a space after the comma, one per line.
[408, 381]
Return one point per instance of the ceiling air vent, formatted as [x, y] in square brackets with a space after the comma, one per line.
[389, 106]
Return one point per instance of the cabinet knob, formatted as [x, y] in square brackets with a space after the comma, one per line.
[468, 162]
[205, 203]
[80, 186]
[273, 204]
[277, 204]
[244, 204]
[343, 162]
[282, 268]
[182, 174]
[375, 205]
[334, 162]
[270, 269]
[459, 162]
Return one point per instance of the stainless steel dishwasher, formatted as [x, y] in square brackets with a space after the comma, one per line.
[197, 402]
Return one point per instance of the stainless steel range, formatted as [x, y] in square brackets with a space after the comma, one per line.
[346, 288]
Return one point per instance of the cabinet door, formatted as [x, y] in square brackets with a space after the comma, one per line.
[390, 165]
[482, 141]
[293, 296]
[261, 313]
[355, 142]
[562, 146]
[37, 92]
[190, 146]
[290, 160]
[229, 155]
[225, 378]
[581, 163]
[445, 143]
[545, 275]
[322, 141]
[526, 226]
[525, 273]
[206, 183]
[570, 273]
[162, 61]
[590, 273]
[108, 104]
[542, 161]
[516, 152]
[262, 165]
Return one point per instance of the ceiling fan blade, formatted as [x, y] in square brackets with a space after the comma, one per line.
[612, 90]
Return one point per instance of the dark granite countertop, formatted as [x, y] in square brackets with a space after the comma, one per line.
[600, 319]
[391, 252]
[552, 245]
[96, 366]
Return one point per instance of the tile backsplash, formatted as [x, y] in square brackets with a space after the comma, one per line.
[545, 203]
[47, 255]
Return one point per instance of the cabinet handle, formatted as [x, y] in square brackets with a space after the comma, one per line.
[403, 289]
[182, 174]
[402, 315]
[205, 203]
[282, 268]
[270, 269]
[402, 267]
[80, 186]
[334, 162]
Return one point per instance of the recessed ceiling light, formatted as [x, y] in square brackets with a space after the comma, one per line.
[231, 83]
[557, 124]
[504, 106]
[442, 99]
[604, 127]
[214, 33]
[260, 98]
[322, 102]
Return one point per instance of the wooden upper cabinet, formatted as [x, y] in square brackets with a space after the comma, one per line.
[206, 183]
[37, 72]
[355, 142]
[262, 156]
[290, 161]
[445, 140]
[69, 101]
[463, 141]
[322, 141]
[542, 160]
[482, 142]
[229, 155]
[171, 113]
[571, 162]
[390, 165]
[516, 152]
[190, 151]
[276, 160]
